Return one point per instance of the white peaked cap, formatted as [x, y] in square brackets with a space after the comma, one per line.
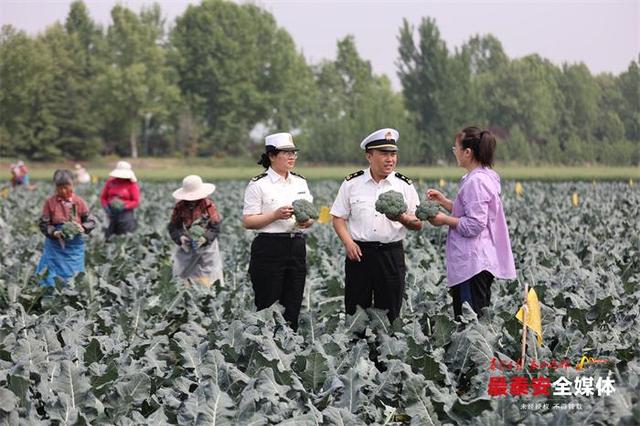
[280, 141]
[384, 139]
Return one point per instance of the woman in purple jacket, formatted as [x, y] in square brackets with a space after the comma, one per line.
[478, 246]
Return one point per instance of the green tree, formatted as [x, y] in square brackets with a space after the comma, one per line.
[436, 87]
[486, 54]
[629, 86]
[137, 84]
[72, 95]
[26, 76]
[238, 69]
[352, 102]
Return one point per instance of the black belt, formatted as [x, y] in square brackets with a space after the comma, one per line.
[379, 245]
[281, 234]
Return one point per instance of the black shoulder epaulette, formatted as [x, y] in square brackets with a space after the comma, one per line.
[299, 175]
[354, 175]
[404, 178]
[260, 176]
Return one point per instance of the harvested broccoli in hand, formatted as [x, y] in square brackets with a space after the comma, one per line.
[69, 230]
[117, 204]
[197, 229]
[427, 209]
[391, 203]
[195, 232]
[303, 210]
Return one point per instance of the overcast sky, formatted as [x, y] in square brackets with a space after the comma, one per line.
[605, 35]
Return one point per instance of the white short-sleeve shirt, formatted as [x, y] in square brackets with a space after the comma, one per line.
[356, 201]
[270, 191]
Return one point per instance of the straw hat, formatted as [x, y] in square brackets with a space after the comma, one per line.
[123, 171]
[193, 189]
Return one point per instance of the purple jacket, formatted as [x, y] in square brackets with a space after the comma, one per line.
[480, 241]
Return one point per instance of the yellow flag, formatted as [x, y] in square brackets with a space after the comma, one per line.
[442, 183]
[324, 215]
[519, 188]
[575, 200]
[534, 318]
[631, 182]
[94, 179]
[4, 192]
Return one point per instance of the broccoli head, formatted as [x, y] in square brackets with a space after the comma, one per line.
[303, 210]
[427, 209]
[117, 204]
[391, 203]
[195, 232]
[69, 230]
[197, 229]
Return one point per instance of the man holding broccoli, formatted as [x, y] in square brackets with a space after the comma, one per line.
[372, 230]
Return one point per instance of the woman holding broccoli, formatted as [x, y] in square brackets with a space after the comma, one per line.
[194, 227]
[119, 198]
[65, 218]
[272, 206]
[478, 246]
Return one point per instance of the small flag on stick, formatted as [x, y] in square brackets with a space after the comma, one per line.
[575, 200]
[530, 316]
[519, 188]
[324, 216]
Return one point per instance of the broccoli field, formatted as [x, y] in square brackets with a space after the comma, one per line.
[125, 344]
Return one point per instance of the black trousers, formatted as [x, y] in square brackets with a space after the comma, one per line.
[380, 275]
[122, 222]
[278, 269]
[476, 291]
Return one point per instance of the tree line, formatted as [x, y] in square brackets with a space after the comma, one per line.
[222, 75]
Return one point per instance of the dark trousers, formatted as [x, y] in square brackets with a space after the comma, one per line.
[278, 269]
[121, 222]
[476, 291]
[380, 275]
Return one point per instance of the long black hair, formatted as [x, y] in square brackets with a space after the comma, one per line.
[481, 142]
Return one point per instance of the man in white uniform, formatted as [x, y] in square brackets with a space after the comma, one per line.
[278, 264]
[374, 265]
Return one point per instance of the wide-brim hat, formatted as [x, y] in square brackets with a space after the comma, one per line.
[193, 189]
[382, 139]
[123, 171]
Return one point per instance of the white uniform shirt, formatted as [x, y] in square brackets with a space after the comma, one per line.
[269, 193]
[356, 202]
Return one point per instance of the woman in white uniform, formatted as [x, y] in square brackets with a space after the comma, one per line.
[278, 265]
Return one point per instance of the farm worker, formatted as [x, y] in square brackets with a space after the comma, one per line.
[19, 174]
[374, 264]
[65, 219]
[478, 246]
[278, 264]
[194, 227]
[119, 198]
[81, 174]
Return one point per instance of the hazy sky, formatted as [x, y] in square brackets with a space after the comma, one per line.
[605, 35]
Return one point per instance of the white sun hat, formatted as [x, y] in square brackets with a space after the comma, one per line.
[123, 171]
[193, 189]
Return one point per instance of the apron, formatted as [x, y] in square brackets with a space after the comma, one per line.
[203, 265]
[60, 262]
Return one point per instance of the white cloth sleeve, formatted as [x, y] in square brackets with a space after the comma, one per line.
[252, 200]
[341, 207]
